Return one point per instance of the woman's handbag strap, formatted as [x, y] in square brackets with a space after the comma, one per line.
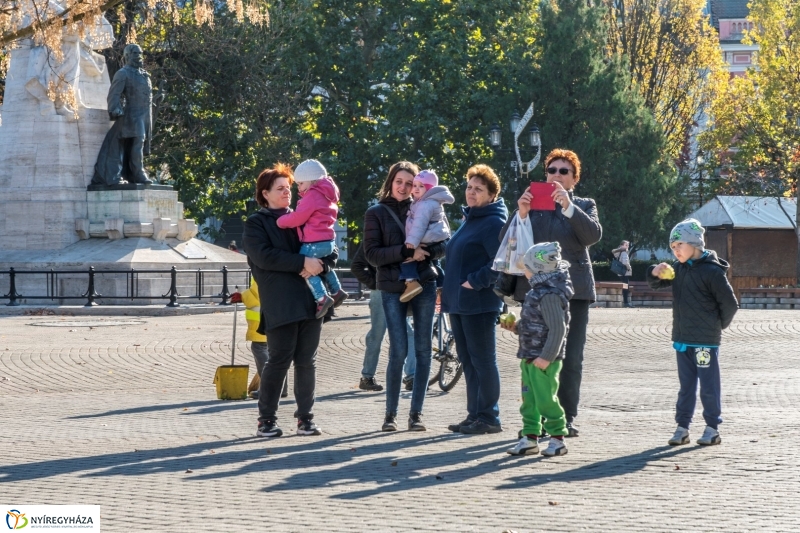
[395, 217]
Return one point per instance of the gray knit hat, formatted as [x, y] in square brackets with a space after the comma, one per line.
[543, 257]
[689, 231]
[309, 170]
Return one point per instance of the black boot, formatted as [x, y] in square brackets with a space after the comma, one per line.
[626, 298]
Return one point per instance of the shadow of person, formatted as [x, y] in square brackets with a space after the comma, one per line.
[618, 466]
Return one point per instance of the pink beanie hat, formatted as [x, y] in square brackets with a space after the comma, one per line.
[428, 178]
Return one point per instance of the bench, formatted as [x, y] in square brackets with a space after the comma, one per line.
[643, 296]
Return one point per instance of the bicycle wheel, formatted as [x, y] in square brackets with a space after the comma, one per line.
[451, 369]
[435, 376]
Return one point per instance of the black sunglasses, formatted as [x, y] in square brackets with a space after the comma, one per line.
[563, 171]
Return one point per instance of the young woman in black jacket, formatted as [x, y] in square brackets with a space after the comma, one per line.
[287, 307]
[384, 247]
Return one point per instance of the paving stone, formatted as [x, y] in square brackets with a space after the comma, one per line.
[126, 417]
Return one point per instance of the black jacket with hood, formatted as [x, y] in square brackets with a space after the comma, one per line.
[703, 302]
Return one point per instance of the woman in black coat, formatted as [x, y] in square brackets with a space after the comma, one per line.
[287, 307]
[574, 224]
[384, 247]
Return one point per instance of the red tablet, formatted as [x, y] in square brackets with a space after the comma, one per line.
[542, 196]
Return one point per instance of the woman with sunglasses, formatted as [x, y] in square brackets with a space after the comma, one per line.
[575, 226]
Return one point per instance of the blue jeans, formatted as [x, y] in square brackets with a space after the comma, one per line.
[408, 270]
[422, 308]
[319, 250]
[476, 345]
[699, 364]
[375, 335]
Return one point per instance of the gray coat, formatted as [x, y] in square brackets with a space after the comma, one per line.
[137, 119]
[426, 220]
[575, 235]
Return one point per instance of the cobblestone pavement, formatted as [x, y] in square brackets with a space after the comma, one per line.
[125, 416]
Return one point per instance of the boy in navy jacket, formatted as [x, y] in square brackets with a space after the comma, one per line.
[703, 304]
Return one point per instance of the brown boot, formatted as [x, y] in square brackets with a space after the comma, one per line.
[412, 289]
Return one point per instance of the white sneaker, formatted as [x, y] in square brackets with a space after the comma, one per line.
[710, 437]
[525, 446]
[556, 447]
[681, 436]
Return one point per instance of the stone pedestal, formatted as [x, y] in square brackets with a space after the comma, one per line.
[134, 211]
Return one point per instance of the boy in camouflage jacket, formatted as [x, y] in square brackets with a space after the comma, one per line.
[542, 331]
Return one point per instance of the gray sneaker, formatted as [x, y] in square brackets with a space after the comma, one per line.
[710, 437]
[415, 422]
[389, 423]
[681, 436]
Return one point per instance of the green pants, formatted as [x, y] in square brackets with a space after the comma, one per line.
[539, 399]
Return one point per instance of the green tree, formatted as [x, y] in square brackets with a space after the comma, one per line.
[674, 60]
[759, 114]
[411, 80]
[588, 105]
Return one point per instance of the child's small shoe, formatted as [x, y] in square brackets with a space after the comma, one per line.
[323, 304]
[681, 436]
[413, 288]
[525, 446]
[710, 437]
[339, 298]
[555, 447]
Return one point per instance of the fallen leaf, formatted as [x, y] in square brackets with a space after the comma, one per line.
[110, 371]
[158, 364]
[394, 463]
[551, 502]
[137, 344]
[185, 408]
[677, 467]
[189, 470]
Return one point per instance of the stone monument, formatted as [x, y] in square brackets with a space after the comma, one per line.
[51, 215]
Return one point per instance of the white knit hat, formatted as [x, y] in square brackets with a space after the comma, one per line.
[309, 170]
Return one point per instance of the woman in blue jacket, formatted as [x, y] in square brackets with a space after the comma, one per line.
[473, 306]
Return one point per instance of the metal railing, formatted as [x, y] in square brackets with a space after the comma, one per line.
[91, 295]
[131, 284]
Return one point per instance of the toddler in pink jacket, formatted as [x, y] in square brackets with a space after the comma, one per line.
[314, 219]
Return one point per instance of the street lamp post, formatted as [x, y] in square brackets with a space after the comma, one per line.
[532, 145]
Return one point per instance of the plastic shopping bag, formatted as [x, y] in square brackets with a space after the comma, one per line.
[516, 242]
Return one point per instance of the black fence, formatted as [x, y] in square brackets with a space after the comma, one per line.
[50, 287]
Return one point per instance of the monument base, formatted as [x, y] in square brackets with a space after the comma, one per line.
[140, 254]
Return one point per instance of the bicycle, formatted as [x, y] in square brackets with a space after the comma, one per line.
[444, 351]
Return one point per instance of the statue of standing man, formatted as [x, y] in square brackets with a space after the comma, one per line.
[130, 102]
